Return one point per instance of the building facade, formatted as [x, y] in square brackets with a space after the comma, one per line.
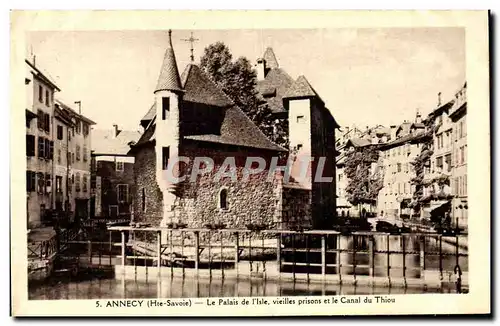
[54, 165]
[192, 118]
[112, 173]
[398, 155]
[458, 115]
[39, 108]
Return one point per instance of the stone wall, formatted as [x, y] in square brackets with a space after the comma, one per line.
[253, 201]
[145, 179]
[296, 208]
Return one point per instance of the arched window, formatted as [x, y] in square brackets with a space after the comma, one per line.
[223, 199]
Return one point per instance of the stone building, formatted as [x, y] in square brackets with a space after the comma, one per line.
[77, 150]
[398, 154]
[192, 118]
[39, 143]
[112, 173]
[311, 134]
[54, 191]
[458, 115]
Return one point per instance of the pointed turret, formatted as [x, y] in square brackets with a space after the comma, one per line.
[169, 79]
[270, 59]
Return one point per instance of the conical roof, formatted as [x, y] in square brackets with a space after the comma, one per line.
[270, 58]
[300, 88]
[169, 75]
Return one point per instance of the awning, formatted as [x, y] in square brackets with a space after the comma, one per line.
[438, 204]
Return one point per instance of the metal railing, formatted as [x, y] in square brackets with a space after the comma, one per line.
[306, 255]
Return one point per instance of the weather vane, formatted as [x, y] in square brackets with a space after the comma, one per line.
[191, 40]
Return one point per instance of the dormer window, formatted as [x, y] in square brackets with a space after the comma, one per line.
[165, 107]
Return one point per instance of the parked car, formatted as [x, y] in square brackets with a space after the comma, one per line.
[383, 226]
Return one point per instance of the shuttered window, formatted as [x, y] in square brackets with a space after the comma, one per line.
[30, 145]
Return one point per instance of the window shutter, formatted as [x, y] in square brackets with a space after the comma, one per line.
[47, 122]
[30, 145]
[28, 181]
[51, 150]
[41, 146]
[47, 148]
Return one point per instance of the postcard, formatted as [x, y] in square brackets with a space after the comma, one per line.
[250, 163]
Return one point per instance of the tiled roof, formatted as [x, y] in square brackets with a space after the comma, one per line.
[358, 142]
[200, 89]
[277, 81]
[406, 139]
[238, 129]
[104, 143]
[72, 112]
[235, 129]
[301, 88]
[150, 114]
[169, 75]
[270, 59]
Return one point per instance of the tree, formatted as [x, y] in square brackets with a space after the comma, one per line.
[362, 187]
[237, 80]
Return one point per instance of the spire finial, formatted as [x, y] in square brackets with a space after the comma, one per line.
[191, 40]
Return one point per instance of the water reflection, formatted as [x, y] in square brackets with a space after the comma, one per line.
[199, 287]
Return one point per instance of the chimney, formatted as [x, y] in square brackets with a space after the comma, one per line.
[261, 67]
[393, 132]
[418, 116]
[439, 99]
[117, 131]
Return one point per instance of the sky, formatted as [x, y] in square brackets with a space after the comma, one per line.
[365, 76]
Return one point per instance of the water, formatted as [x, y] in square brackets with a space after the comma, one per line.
[192, 287]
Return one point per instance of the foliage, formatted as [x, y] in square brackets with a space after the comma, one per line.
[362, 188]
[237, 80]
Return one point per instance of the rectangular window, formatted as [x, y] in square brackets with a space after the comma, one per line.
[85, 129]
[78, 152]
[462, 155]
[439, 164]
[47, 97]
[399, 167]
[30, 145]
[40, 119]
[119, 166]
[30, 181]
[59, 183]
[447, 160]
[47, 123]
[60, 132]
[165, 107]
[113, 210]
[84, 183]
[41, 147]
[41, 183]
[122, 193]
[78, 127]
[84, 153]
[40, 94]
[59, 156]
[165, 157]
[48, 148]
[77, 182]
[48, 184]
